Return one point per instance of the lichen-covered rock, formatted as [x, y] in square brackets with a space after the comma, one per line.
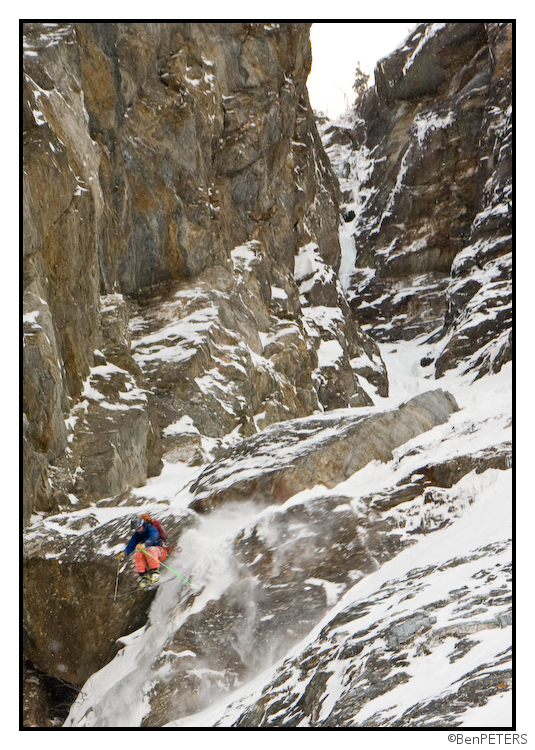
[61, 161]
[36, 491]
[42, 380]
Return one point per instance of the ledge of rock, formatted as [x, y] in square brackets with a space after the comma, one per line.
[289, 457]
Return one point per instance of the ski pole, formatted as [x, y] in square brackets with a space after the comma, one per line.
[166, 566]
[116, 580]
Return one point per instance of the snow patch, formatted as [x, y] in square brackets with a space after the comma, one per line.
[429, 121]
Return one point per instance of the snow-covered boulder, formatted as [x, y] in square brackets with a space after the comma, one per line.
[293, 456]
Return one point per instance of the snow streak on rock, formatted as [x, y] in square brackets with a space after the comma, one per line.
[416, 649]
[440, 607]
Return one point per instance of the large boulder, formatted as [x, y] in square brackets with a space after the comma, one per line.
[76, 602]
[288, 458]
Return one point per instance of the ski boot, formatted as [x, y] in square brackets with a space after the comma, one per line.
[145, 580]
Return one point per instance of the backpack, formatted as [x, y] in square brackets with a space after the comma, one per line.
[163, 536]
[158, 525]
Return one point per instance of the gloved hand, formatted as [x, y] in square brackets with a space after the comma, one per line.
[120, 555]
[140, 546]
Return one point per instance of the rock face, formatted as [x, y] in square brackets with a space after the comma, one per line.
[281, 569]
[193, 347]
[324, 687]
[62, 584]
[425, 165]
[183, 162]
[179, 279]
[328, 450]
[280, 462]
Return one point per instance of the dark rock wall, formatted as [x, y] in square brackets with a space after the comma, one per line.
[151, 150]
[435, 229]
[481, 283]
[195, 124]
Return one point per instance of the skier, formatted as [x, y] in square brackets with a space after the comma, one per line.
[147, 540]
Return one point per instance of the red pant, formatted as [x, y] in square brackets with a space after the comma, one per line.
[146, 560]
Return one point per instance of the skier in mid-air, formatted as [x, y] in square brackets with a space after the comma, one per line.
[148, 540]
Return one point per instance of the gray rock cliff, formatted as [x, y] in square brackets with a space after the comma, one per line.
[425, 163]
[173, 174]
[219, 306]
[151, 152]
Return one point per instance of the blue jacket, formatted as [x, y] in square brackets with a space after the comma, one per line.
[149, 536]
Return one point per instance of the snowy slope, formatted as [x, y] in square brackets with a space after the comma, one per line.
[326, 597]
[426, 574]
[470, 522]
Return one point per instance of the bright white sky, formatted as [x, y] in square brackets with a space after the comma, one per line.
[337, 48]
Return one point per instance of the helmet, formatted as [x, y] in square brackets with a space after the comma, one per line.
[136, 522]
